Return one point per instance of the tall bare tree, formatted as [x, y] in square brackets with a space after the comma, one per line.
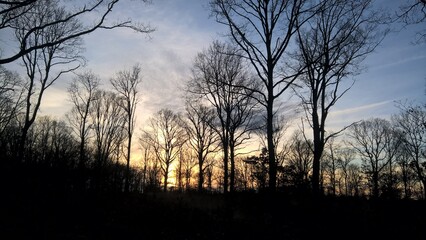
[108, 119]
[202, 137]
[12, 12]
[150, 165]
[346, 156]
[11, 93]
[355, 180]
[44, 65]
[300, 158]
[218, 73]
[412, 121]
[331, 48]
[166, 135]
[126, 84]
[330, 166]
[81, 93]
[263, 30]
[369, 141]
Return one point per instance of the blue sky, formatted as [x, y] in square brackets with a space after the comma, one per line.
[396, 71]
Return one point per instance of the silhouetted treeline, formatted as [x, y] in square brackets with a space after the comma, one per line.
[378, 158]
[230, 97]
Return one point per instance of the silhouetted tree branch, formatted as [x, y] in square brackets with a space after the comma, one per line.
[331, 48]
[126, 84]
[263, 30]
[12, 12]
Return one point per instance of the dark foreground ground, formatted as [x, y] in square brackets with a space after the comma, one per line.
[205, 216]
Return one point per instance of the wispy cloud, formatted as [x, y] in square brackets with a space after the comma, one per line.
[398, 62]
[359, 109]
[344, 117]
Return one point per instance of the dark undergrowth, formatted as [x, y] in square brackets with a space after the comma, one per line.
[45, 214]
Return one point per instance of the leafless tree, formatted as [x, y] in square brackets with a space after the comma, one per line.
[281, 124]
[166, 135]
[202, 137]
[412, 12]
[331, 48]
[187, 161]
[44, 65]
[11, 10]
[407, 173]
[14, 12]
[412, 122]
[126, 84]
[369, 141]
[300, 157]
[355, 180]
[146, 157]
[209, 175]
[108, 119]
[11, 93]
[263, 30]
[217, 74]
[346, 156]
[81, 93]
[245, 177]
[330, 165]
[53, 144]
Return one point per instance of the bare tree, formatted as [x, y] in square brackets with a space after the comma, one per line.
[407, 173]
[150, 166]
[40, 64]
[166, 135]
[146, 156]
[330, 165]
[263, 30]
[53, 144]
[300, 158]
[346, 156]
[369, 141]
[126, 84]
[11, 93]
[210, 175]
[81, 93]
[245, 176]
[412, 12]
[108, 119]
[217, 74]
[355, 180]
[331, 48]
[13, 12]
[242, 124]
[184, 169]
[412, 122]
[202, 137]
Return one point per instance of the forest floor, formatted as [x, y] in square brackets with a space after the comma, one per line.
[53, 215]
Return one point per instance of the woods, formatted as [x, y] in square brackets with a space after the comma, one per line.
[229, 103]
[253, 130]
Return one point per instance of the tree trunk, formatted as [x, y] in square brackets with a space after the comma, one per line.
[166, 179]
[318, 149]
[376, 185]
[270, 138]
[200, 173]
[22, 142]
[225, 167]
[127, 180]
[232, 175]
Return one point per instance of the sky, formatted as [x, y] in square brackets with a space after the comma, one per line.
[396, 71]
